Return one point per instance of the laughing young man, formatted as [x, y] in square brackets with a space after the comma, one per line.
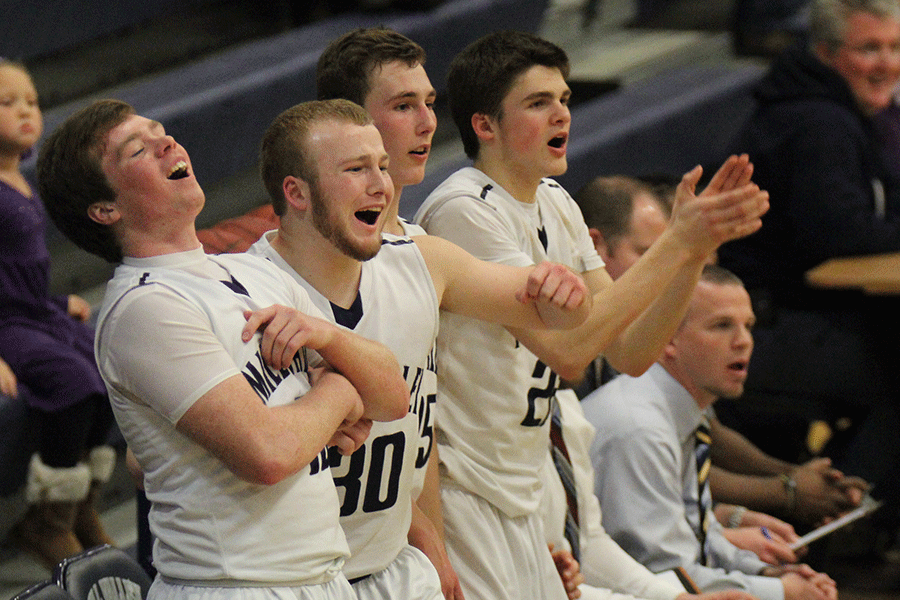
[327, 172]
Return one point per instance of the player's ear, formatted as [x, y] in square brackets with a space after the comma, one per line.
[296, 192]
[105, 213]
[484, 126]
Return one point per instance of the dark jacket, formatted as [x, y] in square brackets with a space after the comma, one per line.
[816, 154]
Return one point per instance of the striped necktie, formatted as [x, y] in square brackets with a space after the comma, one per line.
[702, 440]
[560, 454]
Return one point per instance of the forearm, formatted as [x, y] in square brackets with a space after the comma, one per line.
[263, 444]
[641, 343]
[765, 494]
[426, 532]
[373, 370]
[429, 500]
[648, 300]
[425, 536]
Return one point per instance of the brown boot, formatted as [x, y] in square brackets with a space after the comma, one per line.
[46, 530]
[88, 526]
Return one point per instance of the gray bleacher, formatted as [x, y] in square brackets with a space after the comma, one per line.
[219, 107]
[31, 28]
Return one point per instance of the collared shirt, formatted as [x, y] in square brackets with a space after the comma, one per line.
[646, 481]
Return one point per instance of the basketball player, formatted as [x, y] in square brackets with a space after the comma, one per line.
[384, 72]
[509, 100]
[326, 170]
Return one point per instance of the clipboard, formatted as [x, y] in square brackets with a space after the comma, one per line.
[867, 506]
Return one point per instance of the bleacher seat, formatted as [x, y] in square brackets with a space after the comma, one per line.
[219, 107]
[28, 32]
[666, 124]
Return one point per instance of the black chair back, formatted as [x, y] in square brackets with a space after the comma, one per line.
[105, 573]
[45, 590]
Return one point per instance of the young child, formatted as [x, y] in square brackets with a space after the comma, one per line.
[508, 97]
[50, 352]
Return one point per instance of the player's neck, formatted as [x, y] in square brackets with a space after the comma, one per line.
[391, 214]
[331, 272]
[519, 185]
[160, 241]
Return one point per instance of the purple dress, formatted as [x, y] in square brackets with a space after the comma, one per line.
[51, 353]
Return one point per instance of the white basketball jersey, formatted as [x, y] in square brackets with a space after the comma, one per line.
[397, 306]
[494, 394]
[208, 523]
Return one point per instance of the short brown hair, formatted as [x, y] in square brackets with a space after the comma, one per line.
[719, 275]
[607, 203]
[70, 178]
[283, 150]
[483, 73]
[345, 67]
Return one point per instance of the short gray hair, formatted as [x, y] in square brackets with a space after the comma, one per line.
[828, 18]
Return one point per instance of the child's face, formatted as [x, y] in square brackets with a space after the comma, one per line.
[20, 117]
[533, 129]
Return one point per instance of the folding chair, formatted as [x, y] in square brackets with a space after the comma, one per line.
[45, 590]
[102, 573]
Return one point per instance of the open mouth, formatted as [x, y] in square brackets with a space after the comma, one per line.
[419, 152]
[368, 216]
[179, 170]
[738, 366]
[557, 142]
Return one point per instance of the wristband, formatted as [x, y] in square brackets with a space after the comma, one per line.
[736, 516]
[790, 489]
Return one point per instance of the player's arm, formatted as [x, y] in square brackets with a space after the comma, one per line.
[426, 531]
[263, 444]
[370, 366]
[634, 317]
[543, 296]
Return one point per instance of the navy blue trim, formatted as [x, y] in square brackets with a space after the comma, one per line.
[397, 242]
[348, 317]
[236, 286]
[542, 235]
